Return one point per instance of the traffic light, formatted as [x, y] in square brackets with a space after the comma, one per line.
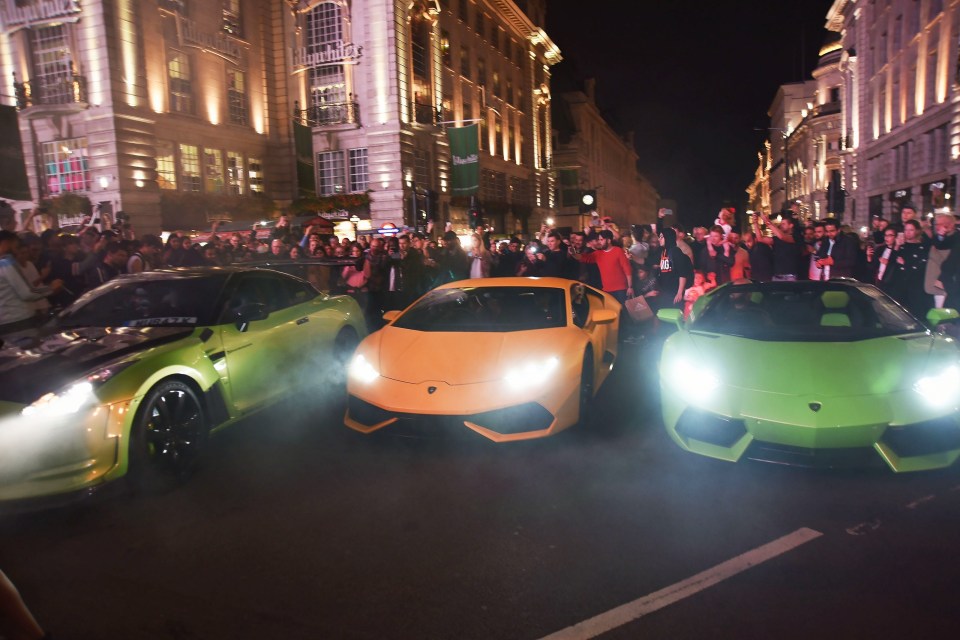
[474, 215]
[588, 201]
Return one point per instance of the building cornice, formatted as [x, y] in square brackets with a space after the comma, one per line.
[526, 29]
[835, 15]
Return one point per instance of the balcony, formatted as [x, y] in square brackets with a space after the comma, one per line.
[323, 115]
[426, 113]
[64, 91]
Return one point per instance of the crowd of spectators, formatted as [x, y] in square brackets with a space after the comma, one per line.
[911, 261]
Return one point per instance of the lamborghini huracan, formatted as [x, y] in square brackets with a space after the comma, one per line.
[831, 373]
[130, 379]
[506, 358]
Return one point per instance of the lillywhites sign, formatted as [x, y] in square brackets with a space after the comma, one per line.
[465, 154]
[14, 14]
[339, 53]
[217, 44]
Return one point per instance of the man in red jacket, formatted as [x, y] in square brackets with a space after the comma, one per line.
[615, 272]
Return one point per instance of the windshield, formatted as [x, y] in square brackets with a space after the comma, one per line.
[803, 312]
[487, 309]
[147, 302]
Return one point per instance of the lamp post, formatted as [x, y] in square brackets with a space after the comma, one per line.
[355, 219]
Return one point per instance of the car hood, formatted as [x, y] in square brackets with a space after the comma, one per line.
[54, 360]
[460, 358]
[840, 369]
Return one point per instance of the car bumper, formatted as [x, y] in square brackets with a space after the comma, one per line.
[485, 409]
[59, 457]
[843, 432]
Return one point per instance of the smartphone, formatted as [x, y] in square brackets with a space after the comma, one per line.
[667, 213]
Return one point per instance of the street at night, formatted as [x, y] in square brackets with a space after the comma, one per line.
[296, 527]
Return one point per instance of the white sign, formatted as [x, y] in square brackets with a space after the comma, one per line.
[218, 44]
[40, 11]
[340, 53]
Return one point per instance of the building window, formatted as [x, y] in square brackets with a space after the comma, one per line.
[212, 171]
[421, 168]
[325, 28]
[464, 62]
[65, 165]
[179, 82]
[52, 66]
[359, 175]
[480, 26]
[495, 36]
[189, 168]
[166, 165]
[497, 87]
[464, 10]
[231, 18]
[255, 174]
[420, 44]
[330, 167]
[467, 107]
[237, 96]
[234, 173]
[510, 90]
[481, 72]
[445, 53]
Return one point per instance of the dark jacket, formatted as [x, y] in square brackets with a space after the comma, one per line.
[844, 253]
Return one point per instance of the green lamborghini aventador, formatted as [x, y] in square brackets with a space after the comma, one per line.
[811, 373]
[131, 379]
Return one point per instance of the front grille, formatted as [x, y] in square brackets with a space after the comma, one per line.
[710, 428]
[517, 419]
[523, 417]
[923, 438]
[854, 457]
[366, 413]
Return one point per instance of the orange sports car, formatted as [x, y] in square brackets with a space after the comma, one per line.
[507, 358]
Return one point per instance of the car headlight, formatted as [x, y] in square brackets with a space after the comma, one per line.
[941, 389]
[360, 369]
[74, 396]
[533, 373]
[686, 376]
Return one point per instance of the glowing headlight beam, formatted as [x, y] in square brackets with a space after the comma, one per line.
[941, 389]
[362, 370]
[532, 373]
[68, 401]
[685, 375]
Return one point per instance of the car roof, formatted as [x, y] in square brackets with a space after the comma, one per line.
[547, 283]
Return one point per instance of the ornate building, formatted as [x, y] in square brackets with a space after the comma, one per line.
[135, 103]
[379, 81]
[590, 155]
[145, 105]
[901, 105]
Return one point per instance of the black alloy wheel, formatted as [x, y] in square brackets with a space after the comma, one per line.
[168, 438]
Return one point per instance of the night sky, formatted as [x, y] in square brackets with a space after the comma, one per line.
[692, 80]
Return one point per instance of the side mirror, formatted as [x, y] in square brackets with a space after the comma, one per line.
[673, 316]
[939, 316]
[250, 313]
[604, 316]
[390, 316]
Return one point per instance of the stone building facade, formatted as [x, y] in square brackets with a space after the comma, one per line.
[134, 103]
[901, 105]
[590, 155]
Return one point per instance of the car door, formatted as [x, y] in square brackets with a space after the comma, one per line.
[264, 356]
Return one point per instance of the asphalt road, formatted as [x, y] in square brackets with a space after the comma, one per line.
[296, 528]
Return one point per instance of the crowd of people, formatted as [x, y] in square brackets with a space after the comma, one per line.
[911, 260]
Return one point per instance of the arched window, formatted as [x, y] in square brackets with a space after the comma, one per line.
[325, 30]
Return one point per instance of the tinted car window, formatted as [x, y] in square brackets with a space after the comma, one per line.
[487, 309]
[143, 302]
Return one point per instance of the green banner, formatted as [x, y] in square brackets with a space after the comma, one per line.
[306, 177]
[465, 157]
[13, 168]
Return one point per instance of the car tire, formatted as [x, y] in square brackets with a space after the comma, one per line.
[586, 390]
[168, 438]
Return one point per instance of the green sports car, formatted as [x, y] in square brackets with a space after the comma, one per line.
[829, 373]
[131, 379]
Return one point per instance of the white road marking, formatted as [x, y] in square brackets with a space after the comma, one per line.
[864, 528]
[674, 593]
[919, 501]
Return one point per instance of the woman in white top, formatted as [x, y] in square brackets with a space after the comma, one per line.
[480, 258]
